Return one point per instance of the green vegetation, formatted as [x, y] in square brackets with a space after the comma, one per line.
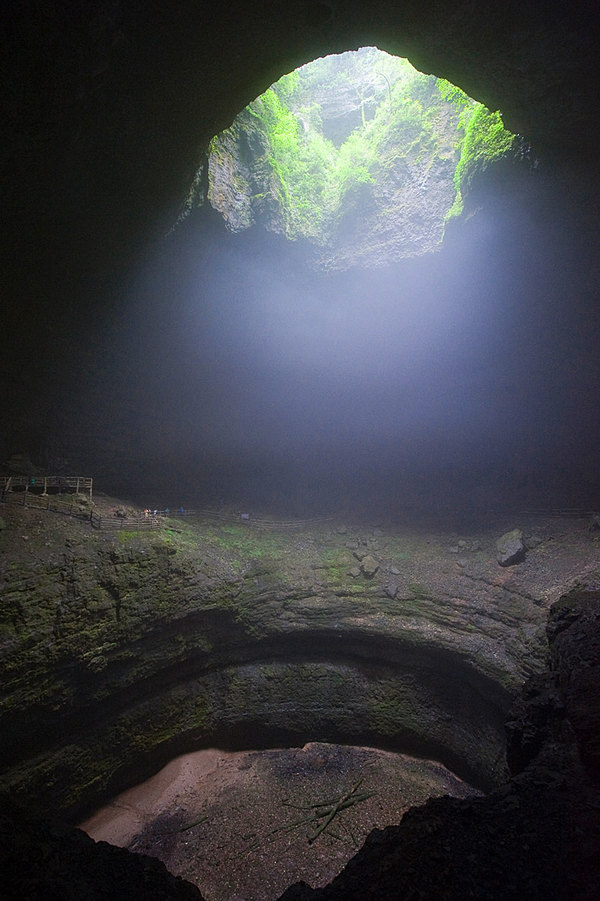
[237, 547]
[337, 562]
[346, 134]
[485, 141]
[299, 158]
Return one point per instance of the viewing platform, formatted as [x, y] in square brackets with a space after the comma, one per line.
[43, 485]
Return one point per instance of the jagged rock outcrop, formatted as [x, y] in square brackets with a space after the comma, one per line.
[45, 859]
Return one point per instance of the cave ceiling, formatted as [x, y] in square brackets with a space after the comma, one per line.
[108, 105]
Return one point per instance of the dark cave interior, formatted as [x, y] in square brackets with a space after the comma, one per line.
[211, 367]
[191, 366]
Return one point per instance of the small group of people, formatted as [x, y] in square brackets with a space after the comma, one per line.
[165, 512]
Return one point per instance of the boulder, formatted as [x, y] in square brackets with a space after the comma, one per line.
[369, 566]
[511, 548]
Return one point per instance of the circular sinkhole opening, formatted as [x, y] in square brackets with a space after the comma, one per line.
[301, 757]
[358, 154]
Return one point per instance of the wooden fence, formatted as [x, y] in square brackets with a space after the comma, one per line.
[139, 523]
[53, 503]
[43, 485]
[247, 519]
[58, 494]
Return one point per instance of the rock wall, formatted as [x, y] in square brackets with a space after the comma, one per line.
[537, 836]
[121, 651]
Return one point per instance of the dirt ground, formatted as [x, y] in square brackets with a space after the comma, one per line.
[228, 821]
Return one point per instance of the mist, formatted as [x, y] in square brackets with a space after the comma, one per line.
[232, 373]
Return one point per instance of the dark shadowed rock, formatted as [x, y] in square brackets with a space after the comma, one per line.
[41, 859]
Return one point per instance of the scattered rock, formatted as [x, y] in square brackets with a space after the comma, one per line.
[391, 590]
[394, 571]
[511, 548]
[532, 541]
[354, 572]
[369, 566]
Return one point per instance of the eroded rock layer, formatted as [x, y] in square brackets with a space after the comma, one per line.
[535, 836]
[121, 650]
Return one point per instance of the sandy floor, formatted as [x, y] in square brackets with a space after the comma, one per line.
[236, 825]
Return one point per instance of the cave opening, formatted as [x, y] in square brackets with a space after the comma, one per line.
[335, 308]
[359, 154]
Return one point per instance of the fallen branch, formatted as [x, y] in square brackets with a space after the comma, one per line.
[191, 825]
[342, 804]
[323, 814]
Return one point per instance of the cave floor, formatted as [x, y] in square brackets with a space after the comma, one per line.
[219, 819]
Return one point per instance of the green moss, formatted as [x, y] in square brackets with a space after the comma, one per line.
[298, 158]
[486, 141]
[456, 209]
[336, 562]
[410, 125]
